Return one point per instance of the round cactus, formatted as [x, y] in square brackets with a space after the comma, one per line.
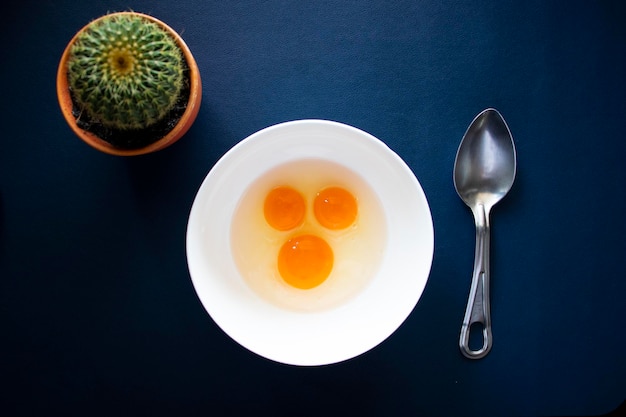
[125, 71]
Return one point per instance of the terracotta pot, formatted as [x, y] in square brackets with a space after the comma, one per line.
[185, 122]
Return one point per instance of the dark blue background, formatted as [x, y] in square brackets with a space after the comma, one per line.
[98, 315]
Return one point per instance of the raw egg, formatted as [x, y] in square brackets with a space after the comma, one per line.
[308, 235]
[305, 261]
[335, 208]
[284, 208]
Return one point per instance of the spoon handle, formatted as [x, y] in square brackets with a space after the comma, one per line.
[478, 308]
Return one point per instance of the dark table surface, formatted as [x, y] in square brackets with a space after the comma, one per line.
[98, 314]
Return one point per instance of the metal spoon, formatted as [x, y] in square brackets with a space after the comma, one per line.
[484, 170]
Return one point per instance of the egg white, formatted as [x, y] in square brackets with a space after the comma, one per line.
[358, 250]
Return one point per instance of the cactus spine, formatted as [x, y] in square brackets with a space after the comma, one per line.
[125, 71]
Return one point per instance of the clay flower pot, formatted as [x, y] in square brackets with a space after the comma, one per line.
[189, 102]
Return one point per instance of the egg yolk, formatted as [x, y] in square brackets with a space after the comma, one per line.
[284, 208]
[335, 208]
[305, 261]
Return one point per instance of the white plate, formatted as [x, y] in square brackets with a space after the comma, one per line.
[320, 337]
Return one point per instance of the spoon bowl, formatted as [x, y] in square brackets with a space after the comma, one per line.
[485, 164]
[484, 171]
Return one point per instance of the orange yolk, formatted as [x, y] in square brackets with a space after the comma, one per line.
[335, 208]
[284, 208]
[305, 261]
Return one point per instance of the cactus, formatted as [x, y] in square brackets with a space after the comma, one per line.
[125, 71]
